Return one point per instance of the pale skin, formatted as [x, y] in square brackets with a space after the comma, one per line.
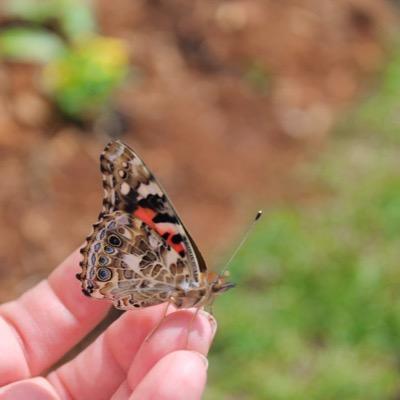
[38, 328]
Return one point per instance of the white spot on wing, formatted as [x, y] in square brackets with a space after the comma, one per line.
[125, 188]
[132, 261]
[151, 188]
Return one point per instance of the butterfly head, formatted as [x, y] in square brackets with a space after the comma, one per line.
[203, 295]
[217, 282]
[216, 286]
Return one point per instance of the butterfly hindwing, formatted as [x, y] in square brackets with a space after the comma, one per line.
[129, 263]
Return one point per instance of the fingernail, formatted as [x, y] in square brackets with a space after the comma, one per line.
[203, 359]
[211, 320]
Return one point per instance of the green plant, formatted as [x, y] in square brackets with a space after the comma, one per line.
[316, 312]
[82, 69]
[378, 114]
[83, 78]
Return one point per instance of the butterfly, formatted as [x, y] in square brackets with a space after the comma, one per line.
[139, 253]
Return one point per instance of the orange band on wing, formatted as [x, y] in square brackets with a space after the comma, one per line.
[146, 215]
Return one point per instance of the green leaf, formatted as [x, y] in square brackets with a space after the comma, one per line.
[82, 80]
[29, 45]
[75, 17]
[31, 10]
[77, 20]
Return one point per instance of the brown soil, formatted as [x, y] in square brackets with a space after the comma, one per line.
[229, 97]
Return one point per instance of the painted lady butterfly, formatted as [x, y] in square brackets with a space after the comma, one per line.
[139, 253]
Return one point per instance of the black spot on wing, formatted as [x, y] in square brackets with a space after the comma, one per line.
[177, 238]
[154, 202]
[117, 200]
[160, 218]
[89, 289]
[131, 201]
[105, 165]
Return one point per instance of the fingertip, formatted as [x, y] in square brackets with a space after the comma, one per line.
[32, 389]
[189, 330]
[202, 358]
[179, 330]
[211, 320]
[180, 375]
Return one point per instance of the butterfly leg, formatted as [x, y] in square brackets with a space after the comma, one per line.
[164, 314]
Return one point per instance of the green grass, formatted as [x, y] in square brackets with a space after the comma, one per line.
[316, 314]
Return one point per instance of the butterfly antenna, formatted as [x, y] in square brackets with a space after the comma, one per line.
[242, 242]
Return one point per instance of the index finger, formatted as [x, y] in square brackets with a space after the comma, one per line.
[45, 322]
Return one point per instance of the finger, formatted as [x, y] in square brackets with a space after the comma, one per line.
[45, 322]
[97, 372]
[180, 375]
[123, 392]
[32, 389]
[171, 336]
[109, 358]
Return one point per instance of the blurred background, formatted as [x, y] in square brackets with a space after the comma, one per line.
[292, 106]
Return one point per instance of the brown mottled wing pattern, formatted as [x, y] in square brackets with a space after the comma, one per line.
[139, 253]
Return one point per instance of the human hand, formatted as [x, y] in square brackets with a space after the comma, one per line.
[37, 329]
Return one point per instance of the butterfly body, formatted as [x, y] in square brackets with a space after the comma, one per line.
[139, 253]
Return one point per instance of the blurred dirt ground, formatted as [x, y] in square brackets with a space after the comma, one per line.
[227, 99]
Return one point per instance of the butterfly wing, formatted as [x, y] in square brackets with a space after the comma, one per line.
[139, 252]
[130, 264]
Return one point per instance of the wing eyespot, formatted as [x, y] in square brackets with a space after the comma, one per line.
[114, 240]
[103, 260]
[104, 274]
[109, 249]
